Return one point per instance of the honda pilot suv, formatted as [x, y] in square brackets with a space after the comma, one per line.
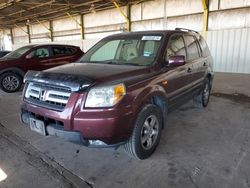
[121, 90]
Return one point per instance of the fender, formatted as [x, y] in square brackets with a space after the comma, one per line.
[146, 96]
[13, 69]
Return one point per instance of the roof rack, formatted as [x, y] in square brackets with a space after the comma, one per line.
[184, 29]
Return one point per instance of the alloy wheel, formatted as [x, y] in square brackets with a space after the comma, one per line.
[149, 132]
[10, 83]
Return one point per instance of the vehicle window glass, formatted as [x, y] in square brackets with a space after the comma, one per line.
[129, 50]
[204, 47]
[42, 52]
[70, 50]
[18, 52]
[150, 47]
[176, 46]
[192, 48]
[137, 50]
[106, 52]
[60, 50]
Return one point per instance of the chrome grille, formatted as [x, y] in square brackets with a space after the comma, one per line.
[53, 97]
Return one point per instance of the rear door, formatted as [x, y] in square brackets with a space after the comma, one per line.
[62, 55]
[178, 78]
[195, 59]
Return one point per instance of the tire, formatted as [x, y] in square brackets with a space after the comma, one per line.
[146, 136]
[10, 82]
[201, 100]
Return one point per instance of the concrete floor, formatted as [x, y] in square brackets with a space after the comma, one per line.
[199, 147]
[23, 169]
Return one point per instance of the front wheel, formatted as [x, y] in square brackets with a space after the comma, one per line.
[146, 134]
[10, 82]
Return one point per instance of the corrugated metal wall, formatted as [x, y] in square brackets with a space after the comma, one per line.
[227, 36]
[230, 49]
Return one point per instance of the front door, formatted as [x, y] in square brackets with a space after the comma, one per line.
[178, 79]
[39, 59]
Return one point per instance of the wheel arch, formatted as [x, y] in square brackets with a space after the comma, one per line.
[152, 95]
[18, 71]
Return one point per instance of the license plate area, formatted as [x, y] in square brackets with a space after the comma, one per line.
[37, 126]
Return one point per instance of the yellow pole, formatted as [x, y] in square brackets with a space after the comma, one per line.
[123, 14]
[21, 29]
[75, 20]
[205, 18]
[43, 25]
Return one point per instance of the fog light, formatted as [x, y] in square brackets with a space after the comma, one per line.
[97, 142]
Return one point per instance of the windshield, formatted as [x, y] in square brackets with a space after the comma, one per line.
[136, 50]
[18, 53]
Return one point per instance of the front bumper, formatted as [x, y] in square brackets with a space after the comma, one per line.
[89, 127]
[71, 136]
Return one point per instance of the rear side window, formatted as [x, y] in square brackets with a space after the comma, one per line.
[60, 50]
[192, 48]
[204, 47]
[176, 46]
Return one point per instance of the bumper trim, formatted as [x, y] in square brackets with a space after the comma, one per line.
[71, 136]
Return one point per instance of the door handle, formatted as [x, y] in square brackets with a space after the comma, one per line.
[189, 70]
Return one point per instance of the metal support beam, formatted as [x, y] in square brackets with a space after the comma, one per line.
[51, 31]
[50, 28]
[127, 17]
[28, 32]
[82, 27]
[205, 4]
[21, 29]
[12, 36]
[81, 24]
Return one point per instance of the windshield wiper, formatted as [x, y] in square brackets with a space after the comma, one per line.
[111, 62]
[121, 63]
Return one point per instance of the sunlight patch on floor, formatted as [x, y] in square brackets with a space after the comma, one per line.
[3, 175]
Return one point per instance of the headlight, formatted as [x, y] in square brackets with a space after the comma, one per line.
[105, 96]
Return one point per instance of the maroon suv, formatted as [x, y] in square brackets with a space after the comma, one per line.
[121, 90]
[33, 57]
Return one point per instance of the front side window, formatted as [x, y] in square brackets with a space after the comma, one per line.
[42, 53]
[192, 48]
[18, 53]
[132, 50]
[176, 46]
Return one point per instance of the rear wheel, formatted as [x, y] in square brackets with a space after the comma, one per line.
[10, 82]
[201, 100]
[146, 134]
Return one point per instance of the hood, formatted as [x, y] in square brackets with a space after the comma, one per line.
[6, 61]
[78, 76]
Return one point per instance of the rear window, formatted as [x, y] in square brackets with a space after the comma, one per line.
[192, 48]
[204, 48]
[60, 50]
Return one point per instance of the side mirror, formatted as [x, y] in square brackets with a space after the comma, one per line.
[177, 60]
[29, 56]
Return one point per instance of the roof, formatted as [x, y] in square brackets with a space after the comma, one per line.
[154, 32]
[41, 45]
[15, 13]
